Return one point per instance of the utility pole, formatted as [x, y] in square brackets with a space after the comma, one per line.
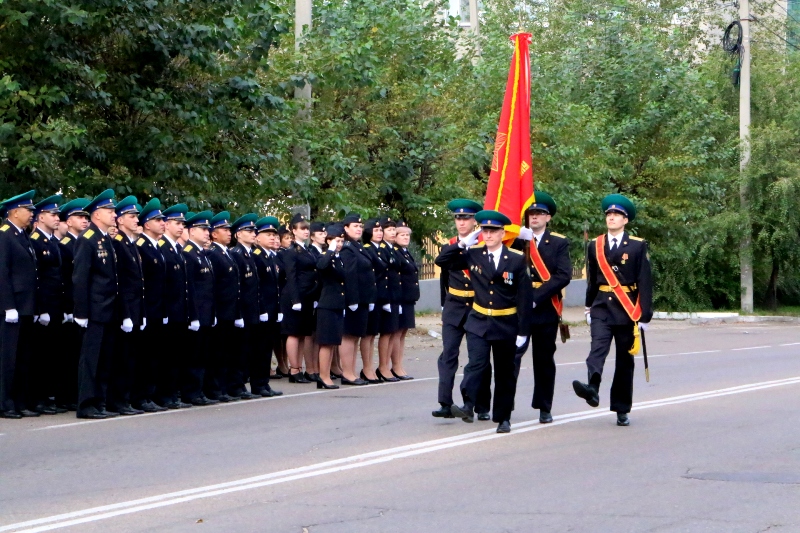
[473, 16]
[302, 20]
[746, 244]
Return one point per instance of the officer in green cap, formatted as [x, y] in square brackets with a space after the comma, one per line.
[269, 283]
[95, 291]
[50, 300]
[619, 301]
[456, 298]
[500, 309]
[18, 305]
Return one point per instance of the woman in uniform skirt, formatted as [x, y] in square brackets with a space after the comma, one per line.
[317, 247]
[389, 322]
[372, 236]
[409, 279]
[330, 312]
[298, 297]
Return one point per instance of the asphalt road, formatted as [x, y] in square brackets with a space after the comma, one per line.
[714, 445]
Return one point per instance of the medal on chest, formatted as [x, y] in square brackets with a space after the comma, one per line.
[508, 278]
[624, 258]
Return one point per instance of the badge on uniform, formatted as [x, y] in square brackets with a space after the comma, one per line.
[476, 268]
[624, 257]
[508, 278]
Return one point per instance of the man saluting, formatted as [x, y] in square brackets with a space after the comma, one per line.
[500, 279]
[619, 301]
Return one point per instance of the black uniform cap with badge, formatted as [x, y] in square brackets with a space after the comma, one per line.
[151, 211]
[388, 222]
[23, 200]
[299, 222]
[463, 208]
[316, 226]
[335, 230]
[617, 203]
[49, 205]
[76, 208]
[351, 218]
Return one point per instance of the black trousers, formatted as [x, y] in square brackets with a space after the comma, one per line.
[123, 366]
[542, 341]
[480, 351]
[15, 363]
[622, 386]
[44, 382]
[169, 363]
[216, 375]
[238, 357]
[146, 364]
[67, 383]
[448, 366]
[194, 363]
[95, 364]
[260, 342]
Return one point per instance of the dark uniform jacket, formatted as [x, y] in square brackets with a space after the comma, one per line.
[554, 250]
[131, 279]
[17, 272]
[155, 278]
[269, 288]
[226, 283]
[409, 276]
[392, 260]
[332, 272]
[360, 278]
[201, 285]
[631, 264]
[67, 248]
[94, 277]
[314, 251]
[507, 288]
[176, 288]
[301, 276]
[49, 284]
[248, 284]
[381, 269]
[455, 307]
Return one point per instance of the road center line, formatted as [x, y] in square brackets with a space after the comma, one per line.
[104, 512]
[750, 348]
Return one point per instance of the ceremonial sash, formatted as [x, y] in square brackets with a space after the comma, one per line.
[541, 268]
[634, 311]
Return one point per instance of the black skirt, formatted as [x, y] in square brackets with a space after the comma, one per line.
[389, 322]
[330, 326]
[355, 322]
[298, 323]
[374, 321]
[407, 318]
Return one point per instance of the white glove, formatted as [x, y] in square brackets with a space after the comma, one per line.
[469, 240]
[166, 320]
[280, 317]
[525, 233]
[144, 324]
[344, 313]
[588, 318]
[371, 307]
[12, 316]
[534, 305]
[67, 318]
[297, 307]
[352, 307]
[239, 323]
[127, 325]
[388, 308]
[316, 304]
[194, 325]
[35, 318]
[44, 319]
[644, 325]
[263, 317]
[521, 340]
[82, 322]
[401, 309]
[215, 322]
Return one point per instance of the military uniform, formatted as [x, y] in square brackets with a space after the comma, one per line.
[269, 291]
[360, 286]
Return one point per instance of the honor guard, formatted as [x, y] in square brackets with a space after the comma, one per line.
[201, 309]
[269, 286]
[94, 281]
[151, 219]
[49, 303]
[457, 294]
[74, 214]
[176, 302]
[551, 271]
[131, 308]
[619, 301]
[18, 301]
[499, 312]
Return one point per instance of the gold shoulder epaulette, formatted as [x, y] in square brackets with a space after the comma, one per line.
[140, 241]
[367, 245]
[635, 238]
[6, 226]
[161, 242]
[257, 251]
[65, 241]
[554, 234]
[383, 245]
[515, 251]
[188, 248]
[118, 237]
[88, 234]
[35, 236]
[479, 245]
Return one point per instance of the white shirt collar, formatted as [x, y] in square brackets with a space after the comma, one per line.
[496, 256]
[195, 244]
[224, 248]
[318, 247]
[18, 228]
[249, 250]
[152, 240]
[301, 243]
[619, 238]
[49, 236]
[73, 235]
[173, 243]
[538, 236]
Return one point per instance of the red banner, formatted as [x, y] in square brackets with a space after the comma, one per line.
[510, 188]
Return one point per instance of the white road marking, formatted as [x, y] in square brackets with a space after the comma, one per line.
[790, 344]
[95, 514]
[750, 348]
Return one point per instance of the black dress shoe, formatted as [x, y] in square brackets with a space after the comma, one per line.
[91, 414]
[249, 396]
[404, 377]
[27, 413]
[443, 412]
[370, 381]
[586, 391]
[10, 414]
[127, 410]
[280, 374]
[504, 427]
[381, 377]
[210, 401]
[483, 417]
[200, 401]
[311, 377]
[184, 405]
[298, 378]
[357, 381]
[545, 417]
[44, 409]
[149, 407]
[269, 392]
[60, 410]
[171, 405]
[623, 420]
[66, 407]
[334, 375]
[465, 413]
[110, 414]
[322, 385]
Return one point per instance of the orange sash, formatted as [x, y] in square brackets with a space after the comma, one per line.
[541, 268]
[634, 311]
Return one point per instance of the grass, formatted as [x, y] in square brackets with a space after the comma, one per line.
[782, 310]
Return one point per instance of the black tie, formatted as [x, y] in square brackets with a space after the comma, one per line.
[613, 243]
[492, 268]
[179, 247]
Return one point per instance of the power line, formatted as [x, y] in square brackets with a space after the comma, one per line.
[781, 37]
[777, 3]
